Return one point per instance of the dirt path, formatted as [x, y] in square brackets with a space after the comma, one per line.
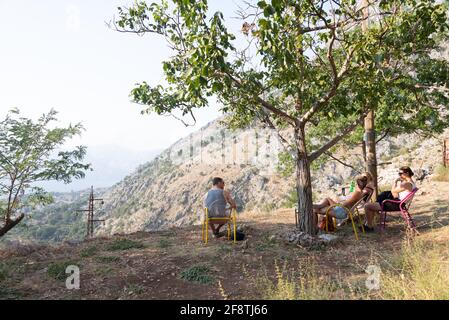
[151, 265]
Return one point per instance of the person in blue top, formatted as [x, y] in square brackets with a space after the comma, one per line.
[216, 201]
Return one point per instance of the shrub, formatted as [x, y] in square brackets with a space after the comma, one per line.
[3, 272]
[108, 259]
[57, 270]
[163, 243]
[198, 273]
[88, 252]
[124, 244]
[441, 173]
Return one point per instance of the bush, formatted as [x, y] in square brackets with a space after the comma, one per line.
[441, 173]
[124, 244]
[88, 252]
[163, 243]
[198, 273]
[3, 272]
[108, 259]
[56, 270]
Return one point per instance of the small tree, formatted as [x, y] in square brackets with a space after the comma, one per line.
[313, 70]
[27, 156]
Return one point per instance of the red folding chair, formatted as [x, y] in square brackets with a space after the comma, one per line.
[404, 206]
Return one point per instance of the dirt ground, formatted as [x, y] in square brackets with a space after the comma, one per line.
[156, 269]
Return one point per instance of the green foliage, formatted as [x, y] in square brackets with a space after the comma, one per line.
[3, 272]
[56, 270]
[311, 69]
[108, 259]
[27, 155]
[7, 293]
[164, 243]
[124, 244]
[286, 164]
[291, 199]
[88, 252]
[54, 222]
[198, 273]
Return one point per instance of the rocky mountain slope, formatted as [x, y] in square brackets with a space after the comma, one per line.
[168, 191]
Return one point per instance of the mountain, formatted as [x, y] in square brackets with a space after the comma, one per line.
[168, 190]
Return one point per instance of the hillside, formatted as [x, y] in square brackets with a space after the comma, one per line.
[168, 190]
[173, 264]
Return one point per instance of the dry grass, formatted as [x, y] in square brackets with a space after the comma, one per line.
[302, 283]
[422, 273]
[441, 174]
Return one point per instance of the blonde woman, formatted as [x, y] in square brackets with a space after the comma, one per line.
[364, 186]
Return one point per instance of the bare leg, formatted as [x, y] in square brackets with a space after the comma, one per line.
[323, 204]
[215, 230]
[370, 211]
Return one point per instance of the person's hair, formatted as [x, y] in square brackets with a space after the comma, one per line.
[407, 170]
[362, 180]
[216, 181]
[368, 175]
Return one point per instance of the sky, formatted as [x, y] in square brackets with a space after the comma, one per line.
[60, 54]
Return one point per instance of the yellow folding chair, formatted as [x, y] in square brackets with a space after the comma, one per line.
[350, 217]
[231, 219]
[354, 209]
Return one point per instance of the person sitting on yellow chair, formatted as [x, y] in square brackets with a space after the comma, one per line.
[216, 200]
[364, 186]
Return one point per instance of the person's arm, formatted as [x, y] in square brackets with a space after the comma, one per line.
[355, 196]
[229, 199]
[402, 187]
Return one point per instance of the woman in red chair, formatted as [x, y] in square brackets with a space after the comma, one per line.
[399, 190]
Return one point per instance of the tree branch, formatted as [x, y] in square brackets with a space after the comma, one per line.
[343, 163]
[314, 155]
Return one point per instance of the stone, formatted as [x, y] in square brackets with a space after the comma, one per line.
[327, 237]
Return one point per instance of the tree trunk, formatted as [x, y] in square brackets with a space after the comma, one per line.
[9, 224]
[370, 145]
[307, 222]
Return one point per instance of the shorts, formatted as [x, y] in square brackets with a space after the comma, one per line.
[340, 213]
[389, 206]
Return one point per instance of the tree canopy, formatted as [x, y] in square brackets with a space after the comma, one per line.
[314, 69]
[29, 154]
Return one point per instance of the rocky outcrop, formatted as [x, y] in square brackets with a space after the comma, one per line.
[169, 190]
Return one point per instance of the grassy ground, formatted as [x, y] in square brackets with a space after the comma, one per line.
[173, 264]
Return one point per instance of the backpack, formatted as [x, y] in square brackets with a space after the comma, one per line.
[239, 236]
[330, 224]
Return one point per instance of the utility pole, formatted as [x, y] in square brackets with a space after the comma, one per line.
[90, 213]
[370, 132]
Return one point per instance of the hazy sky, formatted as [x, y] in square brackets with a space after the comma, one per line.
[60, 54]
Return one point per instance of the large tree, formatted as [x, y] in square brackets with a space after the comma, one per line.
[312, 69]
[29, 155]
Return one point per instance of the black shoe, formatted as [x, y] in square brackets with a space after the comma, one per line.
[366, 228]
[218, 234]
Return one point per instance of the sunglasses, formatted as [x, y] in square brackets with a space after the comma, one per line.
[401, 172]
